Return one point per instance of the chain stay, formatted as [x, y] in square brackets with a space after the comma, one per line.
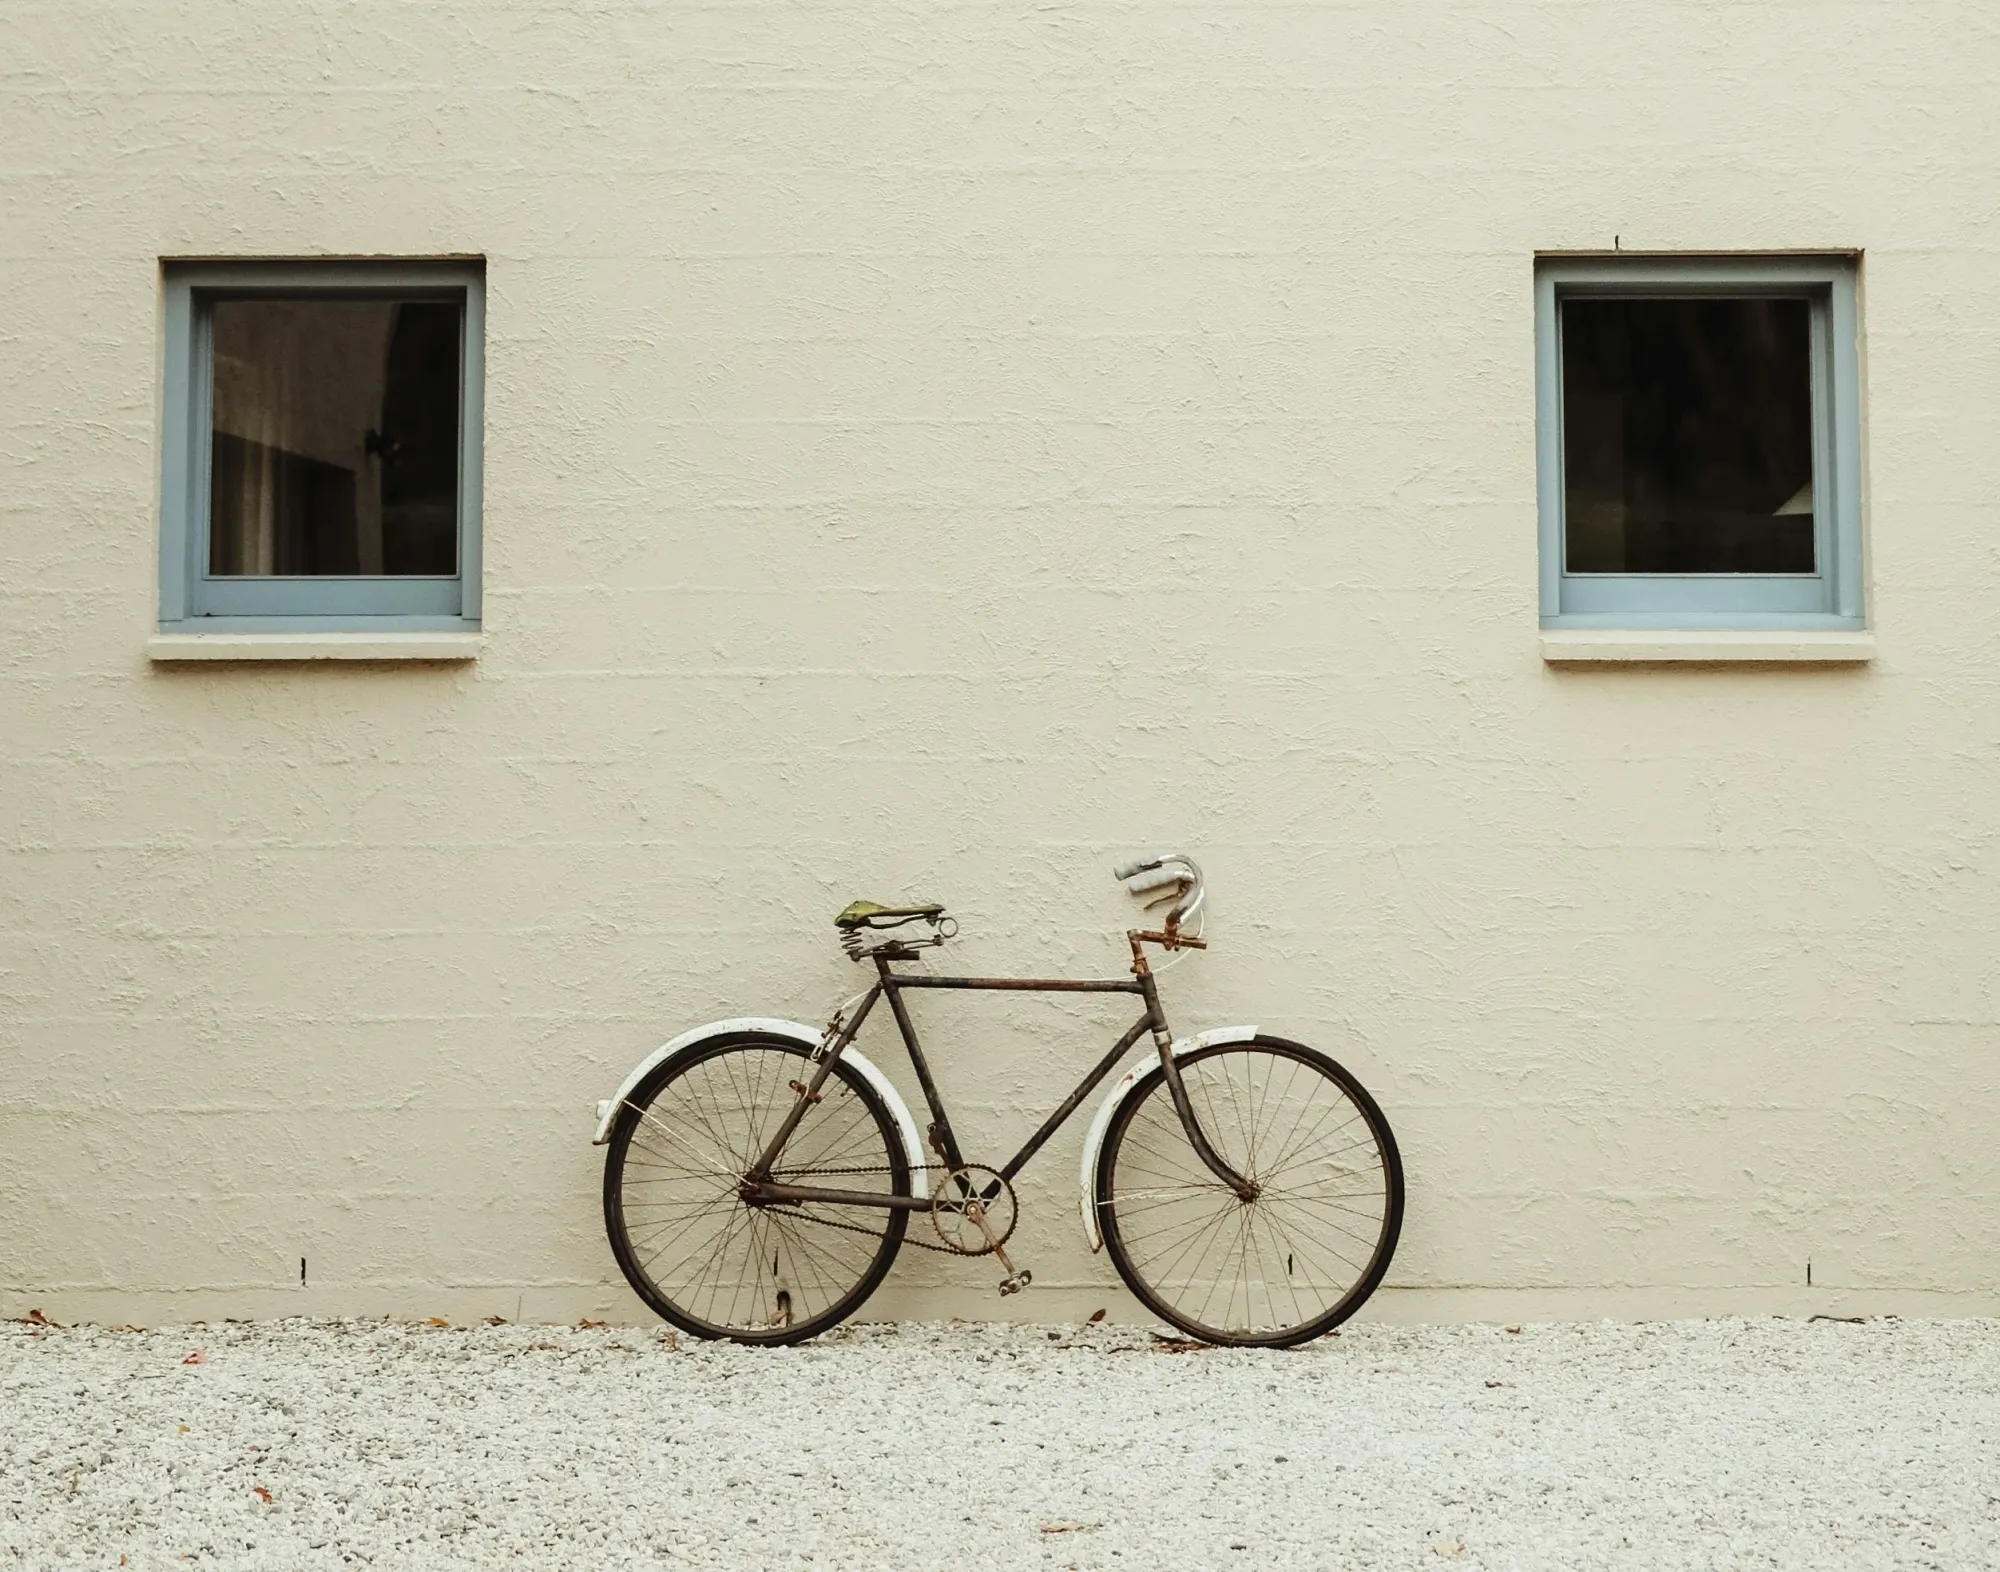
[856, 1228]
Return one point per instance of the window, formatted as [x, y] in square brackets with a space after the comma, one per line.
[1698, 441]
[321, 464]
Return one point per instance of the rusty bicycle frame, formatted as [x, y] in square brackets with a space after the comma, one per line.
[758, 1187]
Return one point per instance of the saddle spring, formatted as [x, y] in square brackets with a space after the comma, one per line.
[858, 939]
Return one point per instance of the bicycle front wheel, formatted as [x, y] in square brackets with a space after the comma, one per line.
[1299, 1257]
[711, 1262]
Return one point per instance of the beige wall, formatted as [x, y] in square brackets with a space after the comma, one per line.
[930, 450]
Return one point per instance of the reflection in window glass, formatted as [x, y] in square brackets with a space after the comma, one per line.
[1687, 436]
[335, 441]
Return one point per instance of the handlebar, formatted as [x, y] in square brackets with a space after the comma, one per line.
[1143, 875]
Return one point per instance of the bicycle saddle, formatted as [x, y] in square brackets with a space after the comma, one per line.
[866, 914]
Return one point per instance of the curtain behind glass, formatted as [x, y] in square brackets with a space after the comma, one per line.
[334, 447]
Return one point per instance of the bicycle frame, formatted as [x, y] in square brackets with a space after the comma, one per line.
[759, 1188]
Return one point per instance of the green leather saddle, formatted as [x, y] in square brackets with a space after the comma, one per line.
[867, 914]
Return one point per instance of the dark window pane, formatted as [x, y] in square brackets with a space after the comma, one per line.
[335, 442]
[1687, 436]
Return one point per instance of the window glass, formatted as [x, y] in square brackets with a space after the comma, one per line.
[335, 437]
[1688, 436]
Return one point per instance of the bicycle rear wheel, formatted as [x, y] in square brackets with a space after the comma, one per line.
[1300, 1257]
[706, 1259]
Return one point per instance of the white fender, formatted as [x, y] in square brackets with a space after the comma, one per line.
[1093, 1142]
[913, 1146]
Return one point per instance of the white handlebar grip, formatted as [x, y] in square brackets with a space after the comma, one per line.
[1132, 865]
[1159, 879]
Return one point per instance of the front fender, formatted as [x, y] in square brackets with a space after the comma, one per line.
[770, 1026]
[1093, 1141]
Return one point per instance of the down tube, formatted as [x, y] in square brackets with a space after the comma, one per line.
[1084, 1088]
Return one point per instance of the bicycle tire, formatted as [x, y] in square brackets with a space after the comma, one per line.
[1163, 1213]
[679, 1147]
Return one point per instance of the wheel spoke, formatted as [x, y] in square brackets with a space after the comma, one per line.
[710, 1260]
[1303, 1252]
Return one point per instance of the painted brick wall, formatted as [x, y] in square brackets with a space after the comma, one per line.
[933, 448]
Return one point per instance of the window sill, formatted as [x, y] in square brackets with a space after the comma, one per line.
[1564, 646]
[174, 648]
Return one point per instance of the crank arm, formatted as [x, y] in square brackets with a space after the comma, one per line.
[1016, 1279]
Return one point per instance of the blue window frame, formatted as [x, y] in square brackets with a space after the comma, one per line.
[321, 454]
[1698, 444]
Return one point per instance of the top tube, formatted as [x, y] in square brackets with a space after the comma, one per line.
[1018, 984]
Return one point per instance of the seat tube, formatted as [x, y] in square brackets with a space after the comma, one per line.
[1177, 1090]
[943, 1142]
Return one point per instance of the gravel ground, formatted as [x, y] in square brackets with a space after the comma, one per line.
[1735, 1443]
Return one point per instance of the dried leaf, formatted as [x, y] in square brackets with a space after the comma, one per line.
[262, 1494]
[36, 1318]
[1163, 1344]
[587, 1322]
[1513, 1329]
[496, 1320]
[196, 1358]
[1063, 1528]
[1496, 1383]
[436, 1320]
[128, 1327]
[1094, 1317]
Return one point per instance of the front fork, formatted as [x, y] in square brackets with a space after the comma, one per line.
[1246, 1189]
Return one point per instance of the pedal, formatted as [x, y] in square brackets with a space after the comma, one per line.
[1018, 1277]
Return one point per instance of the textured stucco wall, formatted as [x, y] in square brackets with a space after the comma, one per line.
[931, 448]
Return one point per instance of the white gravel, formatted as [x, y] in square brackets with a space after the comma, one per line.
[1737, 1443]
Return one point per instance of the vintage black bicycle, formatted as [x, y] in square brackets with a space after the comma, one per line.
[762, 1175]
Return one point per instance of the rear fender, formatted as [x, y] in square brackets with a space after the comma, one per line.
[1093, 1142]
[769, 1026]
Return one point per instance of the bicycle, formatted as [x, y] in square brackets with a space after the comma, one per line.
[762, 1176]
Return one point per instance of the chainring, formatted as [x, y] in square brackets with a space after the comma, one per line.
[962, 1198]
